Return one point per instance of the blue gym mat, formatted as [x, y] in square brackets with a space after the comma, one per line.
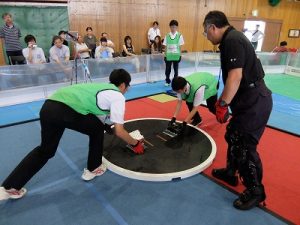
[285, 114]
[58, 196]
[30, 111]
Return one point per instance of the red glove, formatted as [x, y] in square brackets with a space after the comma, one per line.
[222, 112]
[138, 148]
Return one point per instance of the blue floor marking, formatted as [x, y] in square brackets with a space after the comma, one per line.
[113, 212]
[99, 197]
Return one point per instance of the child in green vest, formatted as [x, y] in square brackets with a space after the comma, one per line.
[85, 108]
[173, 42]
[194, 89]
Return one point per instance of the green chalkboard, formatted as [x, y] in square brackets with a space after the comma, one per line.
[42, 22]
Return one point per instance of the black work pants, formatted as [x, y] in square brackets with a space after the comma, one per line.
[250, 114]
[169, 67]
[254, 44]
[54, 118]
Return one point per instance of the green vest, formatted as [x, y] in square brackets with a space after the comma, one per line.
[197, 80]
[83, 97]
[173, 48]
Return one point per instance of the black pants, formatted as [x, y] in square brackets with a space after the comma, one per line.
[54, 118]
[250, 114]
[93, 52]
[168, 69]
[211, 101]
[15, 53]
[254, 44]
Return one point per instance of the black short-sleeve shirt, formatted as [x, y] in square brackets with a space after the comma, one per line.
[237, 52]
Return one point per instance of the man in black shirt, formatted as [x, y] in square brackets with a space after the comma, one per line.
[250, 102]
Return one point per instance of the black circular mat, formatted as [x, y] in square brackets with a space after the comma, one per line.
[165, 157]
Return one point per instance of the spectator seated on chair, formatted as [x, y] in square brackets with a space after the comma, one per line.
[103, 51]
[33, 54]
[109, 42]
[58, 52]
[156, 46]
[281, 48]
[128, 48]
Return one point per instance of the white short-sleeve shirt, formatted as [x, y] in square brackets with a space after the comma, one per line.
[181, 41]
[199, 96]
[38, 55]
[113, 101]
[152, 33]
[59, 53]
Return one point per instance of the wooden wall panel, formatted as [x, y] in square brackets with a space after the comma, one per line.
[271, 36]
[289, 13]
[134, 17]
[2, 59]
[184, 12]
[39, 1]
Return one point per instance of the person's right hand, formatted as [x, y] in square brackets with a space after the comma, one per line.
[138, 148]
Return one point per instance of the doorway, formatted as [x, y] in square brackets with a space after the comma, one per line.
[254, 30]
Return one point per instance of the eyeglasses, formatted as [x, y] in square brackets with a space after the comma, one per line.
[206, 29]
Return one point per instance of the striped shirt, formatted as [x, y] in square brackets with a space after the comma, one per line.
[11, 37]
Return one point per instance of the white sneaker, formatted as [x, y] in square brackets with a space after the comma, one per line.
[11, 193]
[88, 175]
[167, 84]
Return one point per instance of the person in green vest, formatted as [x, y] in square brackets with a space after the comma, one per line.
[194, 89]
[173, 42]
[86, 108]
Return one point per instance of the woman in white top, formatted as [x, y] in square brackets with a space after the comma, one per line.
[33, 54]
[82, 49]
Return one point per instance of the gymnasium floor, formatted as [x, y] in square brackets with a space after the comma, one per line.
[57, 195]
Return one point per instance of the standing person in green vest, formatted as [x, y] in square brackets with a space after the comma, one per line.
[86, 108]
[173, 42]
[194, 89]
